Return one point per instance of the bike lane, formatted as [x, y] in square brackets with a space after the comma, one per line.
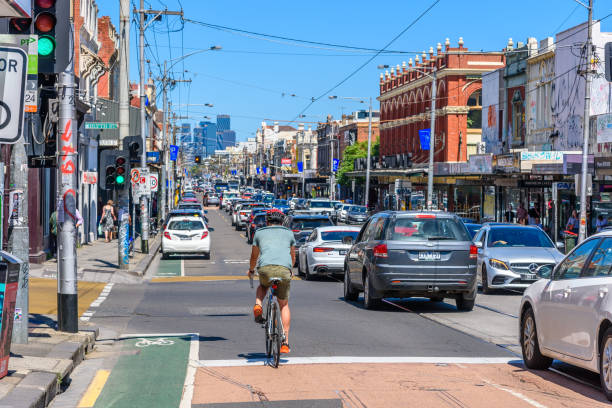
[150, 372]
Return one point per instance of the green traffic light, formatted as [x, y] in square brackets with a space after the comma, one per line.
[46, 45]
[120, 179]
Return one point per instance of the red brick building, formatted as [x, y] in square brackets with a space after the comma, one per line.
[354, 128]
[109, 53]
[405, 100]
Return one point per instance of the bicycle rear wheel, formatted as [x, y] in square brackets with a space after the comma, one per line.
[276, 336]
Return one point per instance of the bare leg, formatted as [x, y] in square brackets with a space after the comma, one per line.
[285, 316]
[261, 293]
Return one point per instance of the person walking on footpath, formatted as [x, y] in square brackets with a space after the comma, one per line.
[521, 214]
[573, 223]
[108, 220]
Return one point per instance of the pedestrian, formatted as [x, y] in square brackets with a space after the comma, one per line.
[533, 214]
[509, 215]
[537, 223]
[573, 223]
[108, 220]
[53, 231]
[600, 223]
[521, 214]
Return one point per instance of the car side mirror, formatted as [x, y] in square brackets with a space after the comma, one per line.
[545, 271]
[478, 244]
[348, 240]
[560, 245]
[205, 211]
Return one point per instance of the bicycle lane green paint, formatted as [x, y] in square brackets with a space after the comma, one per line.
[148, 376]
[169, 267]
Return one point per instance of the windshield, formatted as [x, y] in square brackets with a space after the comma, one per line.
[190, 206]
[186, 225]
[358, 209]
[518, 237]
[299, 225]
[320, 204]
[338, 235]
[423, 229]
[280, 202]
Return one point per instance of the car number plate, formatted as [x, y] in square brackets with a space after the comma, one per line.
[342, 252]
[185, 238]
[528, 276]
[429, 256]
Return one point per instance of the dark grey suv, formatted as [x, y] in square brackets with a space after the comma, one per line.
[412, 254]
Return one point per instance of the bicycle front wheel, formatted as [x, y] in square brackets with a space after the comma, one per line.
[277, 336]
[270, 318]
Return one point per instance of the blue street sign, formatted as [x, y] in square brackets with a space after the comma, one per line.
[153, 157]
[300, 166]
[174, 152]
[424, 136]
[265, 169]
[336, 163]
[257, 170]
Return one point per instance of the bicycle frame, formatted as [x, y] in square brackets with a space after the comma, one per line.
[268, 324]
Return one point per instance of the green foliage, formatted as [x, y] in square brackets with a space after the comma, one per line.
[356, 151]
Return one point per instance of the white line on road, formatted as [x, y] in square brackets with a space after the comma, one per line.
[186, 400]
[516, 394]
[182, 267]
[361, 360]
[96, 303]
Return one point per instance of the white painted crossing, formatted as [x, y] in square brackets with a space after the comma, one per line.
[96, 303]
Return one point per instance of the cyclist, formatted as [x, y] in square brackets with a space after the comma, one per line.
[273, 253]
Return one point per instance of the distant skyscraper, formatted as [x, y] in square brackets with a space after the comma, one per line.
[209, 135]
[223, 125]
[185, 135]
[228, 138]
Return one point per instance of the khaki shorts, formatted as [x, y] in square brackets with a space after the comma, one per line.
[266, 273]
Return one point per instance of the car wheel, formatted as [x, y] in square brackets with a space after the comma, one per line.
[233, 222]
[165, 255]
[369, 301]
[530, 346]
[207, 255]
[463, 304]
[605, 363]
[237, 227]
[436, 298]
[307, 275]
[350, 294]
[485, 281]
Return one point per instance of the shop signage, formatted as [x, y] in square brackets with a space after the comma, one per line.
[506, 182]
[572, 163]
[603, 165]
[480, 164]
[547, 168]
[604, 128]
[548, 156]
[153, 157]
[506, 163]
[286, 162]
[450, 168]
[535, 183]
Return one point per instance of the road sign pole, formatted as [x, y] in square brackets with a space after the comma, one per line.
[144, 207]
[67, 297]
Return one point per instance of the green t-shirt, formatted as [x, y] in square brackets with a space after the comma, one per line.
[274, 245]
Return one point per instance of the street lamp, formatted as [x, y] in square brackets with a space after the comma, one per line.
[367, 186]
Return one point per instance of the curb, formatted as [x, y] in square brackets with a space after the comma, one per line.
[144, 264]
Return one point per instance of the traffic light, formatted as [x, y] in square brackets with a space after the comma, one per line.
[114, 169]
[51, 22]
[133, 145]
[198, 159]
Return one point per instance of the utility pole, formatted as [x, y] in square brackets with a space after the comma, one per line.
[585, 127]
[144, 205]
[432, 143]
[367, 186]
[67, 297]
[331, 164]
[123, 195]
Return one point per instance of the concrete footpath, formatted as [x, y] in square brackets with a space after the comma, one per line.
[98, 262]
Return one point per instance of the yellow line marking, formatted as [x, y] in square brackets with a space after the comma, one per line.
[94, 389]
[204, 278]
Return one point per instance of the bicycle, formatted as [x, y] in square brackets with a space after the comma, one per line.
[272, 323]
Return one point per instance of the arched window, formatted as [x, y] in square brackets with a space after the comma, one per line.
[474, 117]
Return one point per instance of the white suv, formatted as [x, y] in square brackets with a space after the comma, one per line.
[186, 235]
[567, 314]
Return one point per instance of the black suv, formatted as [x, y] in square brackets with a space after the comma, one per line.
[412, 254]
[303, 224]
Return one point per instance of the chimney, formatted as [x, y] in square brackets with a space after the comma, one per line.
[439, 48]
[460, 42]
[410, 62]
[403, 66]
[447, 43]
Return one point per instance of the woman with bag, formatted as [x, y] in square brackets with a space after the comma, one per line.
[108, 220]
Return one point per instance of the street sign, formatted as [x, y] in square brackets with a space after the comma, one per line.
[28, 43]
[336, 163]
[153, 157]
[101, 125]
[154, 182]
[174, 152]
[300, 166]
[141, 185]
[425, 136]
[90, 177]
[13, 73]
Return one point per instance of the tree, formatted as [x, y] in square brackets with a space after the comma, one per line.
[357, 151]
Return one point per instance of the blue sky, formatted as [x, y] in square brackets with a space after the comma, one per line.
[253, 79]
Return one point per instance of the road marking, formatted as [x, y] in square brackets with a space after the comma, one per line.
[170, 279]
[96, 303]
[161, 341]
[187, 398]
[516, 394]
[94, 389]
[182, 267]
[361, 360]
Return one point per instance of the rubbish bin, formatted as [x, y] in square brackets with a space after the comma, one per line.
[570, 241]
[9, 282]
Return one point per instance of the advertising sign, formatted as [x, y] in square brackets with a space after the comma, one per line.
[174, 152]
[300, 166]
[480, 164]
[286, 162]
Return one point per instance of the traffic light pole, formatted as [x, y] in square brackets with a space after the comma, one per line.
[123, 199]
[67, 297]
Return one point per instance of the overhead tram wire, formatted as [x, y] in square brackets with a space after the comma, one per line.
[349, 76]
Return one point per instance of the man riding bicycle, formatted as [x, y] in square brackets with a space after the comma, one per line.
[273, 253]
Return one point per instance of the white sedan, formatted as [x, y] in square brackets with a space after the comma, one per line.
[186, 235]
[324, 251]
[567, 314]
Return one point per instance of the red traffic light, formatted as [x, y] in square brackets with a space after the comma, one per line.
[120, 170]
[45, 3]
[120, 161]
[45, 22]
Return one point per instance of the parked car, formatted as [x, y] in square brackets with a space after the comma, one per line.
[186, 235]
[337, 205]
[302, 225]
[567, 314]
[292, 202]
[324, 251]
[183, 212]
[410, 253]
[356, 214]
[509, 255]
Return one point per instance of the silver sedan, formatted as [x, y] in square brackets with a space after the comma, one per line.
[324, 251]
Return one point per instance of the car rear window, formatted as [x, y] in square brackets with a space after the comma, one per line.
[518, 237]
[190, 206]
[186, 225]
[321, 204]
[424, 229]
[309, 224]
[338, 235]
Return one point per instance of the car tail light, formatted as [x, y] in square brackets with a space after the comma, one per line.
[473, 252]
[167, 235]
[380, 251]
[204, 234]
[426, 216]
[322, 249]
[295, 230]
[253, 225]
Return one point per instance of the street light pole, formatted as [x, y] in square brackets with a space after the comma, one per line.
[367, 186]
[432, 140]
